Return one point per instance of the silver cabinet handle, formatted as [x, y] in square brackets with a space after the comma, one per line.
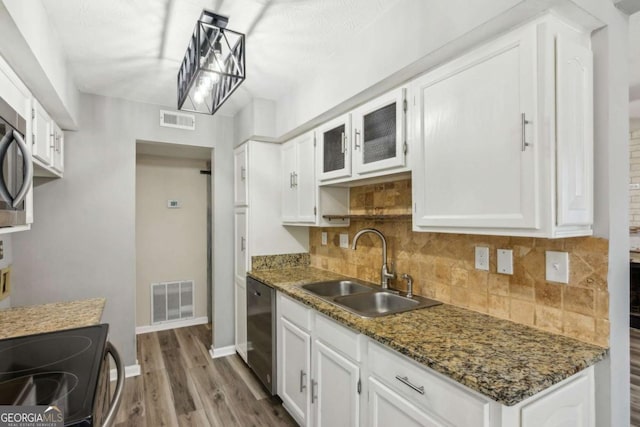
[356, 139]
[242, 244]
[405, 381]
[314, 386]
[343, 140]
[295, 179]
[524, 123]
[290, 179]
[243, 173]
[302, 384]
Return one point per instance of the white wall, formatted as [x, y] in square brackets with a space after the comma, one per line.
[223, 284]
[257, 120]
[171, 244]
[4, 262]
[31, 46]
[82, 243]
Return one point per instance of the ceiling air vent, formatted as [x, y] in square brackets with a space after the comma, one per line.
[172, 119]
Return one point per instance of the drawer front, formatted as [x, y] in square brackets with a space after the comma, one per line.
[438, 396]
[340, 338]
[294, 311]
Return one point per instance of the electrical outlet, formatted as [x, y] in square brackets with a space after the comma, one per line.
[344, 240]
[557, 266]
[505, 261]
[482, 258]
[324, 238]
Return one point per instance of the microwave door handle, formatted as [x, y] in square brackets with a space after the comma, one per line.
[27, 170]
[4, 146]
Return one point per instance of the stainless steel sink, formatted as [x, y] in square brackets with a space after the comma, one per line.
[335, 288]
[374, 304]
[366, 300]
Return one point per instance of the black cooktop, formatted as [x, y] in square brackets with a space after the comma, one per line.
[56, 368]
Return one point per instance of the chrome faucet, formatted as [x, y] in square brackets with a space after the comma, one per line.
[385, 275]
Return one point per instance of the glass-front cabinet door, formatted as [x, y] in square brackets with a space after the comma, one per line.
[334, 149]
[379, 133]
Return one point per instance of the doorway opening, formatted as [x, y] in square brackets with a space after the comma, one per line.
[173, 236]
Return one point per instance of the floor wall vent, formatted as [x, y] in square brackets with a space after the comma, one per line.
[173, 119]
[171, 301]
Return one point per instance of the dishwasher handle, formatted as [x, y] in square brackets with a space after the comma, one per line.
[117, 395]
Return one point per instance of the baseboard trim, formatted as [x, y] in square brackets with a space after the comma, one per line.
[222, 351]
[171, 325]
[129, 371]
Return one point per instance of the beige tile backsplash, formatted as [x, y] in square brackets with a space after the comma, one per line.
[443, 268]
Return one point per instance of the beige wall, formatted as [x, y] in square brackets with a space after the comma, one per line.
[443, 267]
[171, 244]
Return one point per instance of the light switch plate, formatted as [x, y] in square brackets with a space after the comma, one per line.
[324, 238]
[557, 266]
[482, 258]
[344, 240]
[505, 261]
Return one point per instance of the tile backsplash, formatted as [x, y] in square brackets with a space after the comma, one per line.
[443, 267]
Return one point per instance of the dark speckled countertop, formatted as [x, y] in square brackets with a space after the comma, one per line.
[505, 361]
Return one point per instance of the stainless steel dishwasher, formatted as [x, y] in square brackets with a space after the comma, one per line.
[261, 332]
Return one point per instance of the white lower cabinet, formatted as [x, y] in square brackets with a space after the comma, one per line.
[319, 384]
[321, 364]
[334, 388]
[241, 318]
[388, 408]
[294, 368]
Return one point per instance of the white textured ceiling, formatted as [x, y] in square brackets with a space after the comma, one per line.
[132, 49]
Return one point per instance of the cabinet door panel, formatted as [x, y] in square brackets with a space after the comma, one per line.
[387, 408]
[241, 319]
[240, 179]
[378, 133]
[240, 243]
[574, 133]
[471, 138]
[335, 390]
[566, 406]
[289, 192]
[42, 135]
[305, 179]
[295, 353]
[334, 150]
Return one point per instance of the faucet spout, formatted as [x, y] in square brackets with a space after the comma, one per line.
[385, 275]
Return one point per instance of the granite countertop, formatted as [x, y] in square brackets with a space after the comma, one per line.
[36, 319]
[503, 360]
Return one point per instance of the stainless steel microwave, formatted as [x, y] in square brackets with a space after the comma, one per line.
[16, 168]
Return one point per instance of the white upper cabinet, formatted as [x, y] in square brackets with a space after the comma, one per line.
[484, 135]
[334, 149]
[303, 201]
[47, 143]
[240, 188]
[57, 148]
[379, 134]
[299, 180]
[41, 139]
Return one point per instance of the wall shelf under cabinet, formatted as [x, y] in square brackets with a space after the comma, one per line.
[373, 217]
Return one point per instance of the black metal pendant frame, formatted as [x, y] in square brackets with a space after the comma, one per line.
[215, 77]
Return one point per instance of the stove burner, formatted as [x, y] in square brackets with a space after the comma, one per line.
[45, 388]
[24, 358]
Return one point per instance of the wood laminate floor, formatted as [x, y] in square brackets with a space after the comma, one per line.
[181, 386]
[634, 345]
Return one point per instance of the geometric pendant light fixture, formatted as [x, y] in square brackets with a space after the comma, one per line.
[213, 66]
